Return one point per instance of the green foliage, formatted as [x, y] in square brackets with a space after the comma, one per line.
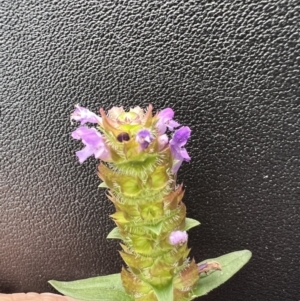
[190, 223]
[109, 288]
[114, 234]
[231, 263]
[103, 288]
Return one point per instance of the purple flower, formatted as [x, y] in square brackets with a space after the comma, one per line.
[178, 237]
[84, 115]
[144, 138]
[166, 121]
[162, 141]
[94, 144]
[177, 142]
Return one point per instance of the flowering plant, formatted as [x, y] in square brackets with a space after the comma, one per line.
[139, 165]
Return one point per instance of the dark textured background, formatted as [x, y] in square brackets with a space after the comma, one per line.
[230, 70]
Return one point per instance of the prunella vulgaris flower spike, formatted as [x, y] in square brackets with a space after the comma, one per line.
[139, 166]
[140, 158]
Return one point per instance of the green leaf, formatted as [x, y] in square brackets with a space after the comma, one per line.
[102, 288]
[190, 223]
[231, 263]
[114, 234]
[164, 293]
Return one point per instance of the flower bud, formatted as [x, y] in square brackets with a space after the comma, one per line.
[178, 237]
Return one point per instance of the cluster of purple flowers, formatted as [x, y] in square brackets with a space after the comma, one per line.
[95, 143]
[179, 139]
[90, 137]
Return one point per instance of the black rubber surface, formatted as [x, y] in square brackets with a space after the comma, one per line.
[230, 70]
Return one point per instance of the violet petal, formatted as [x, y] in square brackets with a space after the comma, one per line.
[184, 154]
[166, 114]
[144, 138]
[176, 166]
[84, 115]
[172, 124]
[166, 121]
[177, 142]
[94, 144]
[181, 136]
[84, 153]
[162, 141]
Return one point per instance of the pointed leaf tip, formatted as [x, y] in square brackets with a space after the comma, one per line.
[102, 288]
[231, 263]
[114, 234]
[190, 223]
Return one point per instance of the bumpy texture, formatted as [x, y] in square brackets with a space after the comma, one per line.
[230, 70]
